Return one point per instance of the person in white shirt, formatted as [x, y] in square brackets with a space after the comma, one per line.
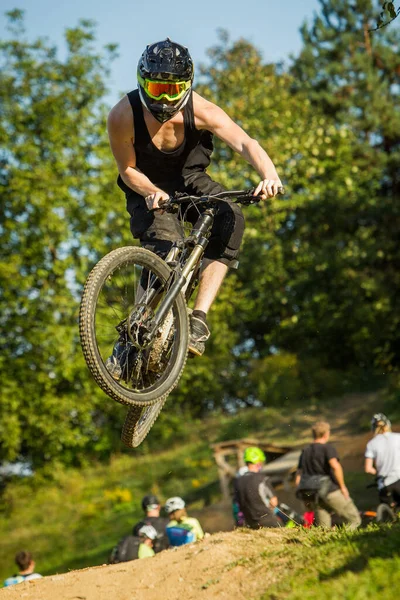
[382, 459]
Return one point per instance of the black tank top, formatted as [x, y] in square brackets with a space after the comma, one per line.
[170, 171]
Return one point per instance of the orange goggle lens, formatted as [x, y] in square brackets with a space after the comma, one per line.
[171, 90]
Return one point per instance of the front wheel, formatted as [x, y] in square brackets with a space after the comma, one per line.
[120, 299]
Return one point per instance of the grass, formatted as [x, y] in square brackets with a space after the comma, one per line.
[336, 565]
[74, 520]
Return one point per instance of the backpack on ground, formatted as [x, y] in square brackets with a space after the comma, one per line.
[126, 549]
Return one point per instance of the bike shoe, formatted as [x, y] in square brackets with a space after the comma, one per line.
[121, 357]
[199, 334]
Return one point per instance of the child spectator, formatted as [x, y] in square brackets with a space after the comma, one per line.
[181, 529]
[26, 566]
[147, 535]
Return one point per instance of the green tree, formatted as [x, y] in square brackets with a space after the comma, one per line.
[314, 154]
[355, 79]
[58, 213]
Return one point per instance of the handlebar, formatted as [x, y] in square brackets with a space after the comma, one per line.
[245, 197]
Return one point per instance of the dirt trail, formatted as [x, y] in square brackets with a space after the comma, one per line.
[224, 565]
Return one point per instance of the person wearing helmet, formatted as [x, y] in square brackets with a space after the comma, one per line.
[320, 481]
[161, 136]
[151, 507]
[382, 459]
[181, 529]
[254, 493]
[147, 535]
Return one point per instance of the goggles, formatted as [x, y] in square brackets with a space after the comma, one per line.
[171, 90]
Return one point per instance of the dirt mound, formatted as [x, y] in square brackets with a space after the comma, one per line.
[223, 565]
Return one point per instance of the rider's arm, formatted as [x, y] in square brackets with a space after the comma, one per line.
[267, 494]
[299, 470]
[120, 128]
[298, 477]
[338, 473]
[211, 117]
[369, 466]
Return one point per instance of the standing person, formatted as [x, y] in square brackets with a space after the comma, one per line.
[181, 529]
[147, 535]
[26, 565]
[382, 458]
[320, 476]
[254, 492]
[151, 506]
[161, 136]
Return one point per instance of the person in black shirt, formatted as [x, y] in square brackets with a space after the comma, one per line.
[161, 136]
[254, 492]
[321, 459]
[151, 506]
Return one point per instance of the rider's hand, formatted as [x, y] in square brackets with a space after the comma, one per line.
[152, 200]
[268, 188]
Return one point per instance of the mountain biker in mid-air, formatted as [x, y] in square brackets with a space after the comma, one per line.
[382, 459]
[161, 138]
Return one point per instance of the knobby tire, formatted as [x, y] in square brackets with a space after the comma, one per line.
[87, 328]
[138, 423]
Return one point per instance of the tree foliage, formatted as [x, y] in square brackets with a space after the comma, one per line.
[315, 302]
[57, 213]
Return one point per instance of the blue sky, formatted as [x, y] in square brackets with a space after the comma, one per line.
[271, 25]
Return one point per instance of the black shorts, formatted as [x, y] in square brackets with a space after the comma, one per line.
[158, 231]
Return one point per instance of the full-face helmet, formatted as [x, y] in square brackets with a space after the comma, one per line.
[165, 75]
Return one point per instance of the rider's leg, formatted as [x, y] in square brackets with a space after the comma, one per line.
[211, 278]
[221, 253]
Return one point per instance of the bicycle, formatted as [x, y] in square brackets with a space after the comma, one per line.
[386, 512]
[135, 298]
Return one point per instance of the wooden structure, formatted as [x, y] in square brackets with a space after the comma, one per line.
[229, 458]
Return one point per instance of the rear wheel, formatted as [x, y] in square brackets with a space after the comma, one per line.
[384, 514]
[138, 423]
[119, 302]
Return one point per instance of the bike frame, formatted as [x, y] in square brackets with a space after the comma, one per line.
[198, 240]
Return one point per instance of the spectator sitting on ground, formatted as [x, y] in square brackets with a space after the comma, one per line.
[254, 493]
[151, 506]
[382, 458]
[26, 566]
[147, 535]
[181, 529]
[320, 481]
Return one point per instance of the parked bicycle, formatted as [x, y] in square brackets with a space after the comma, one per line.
[134, 298]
